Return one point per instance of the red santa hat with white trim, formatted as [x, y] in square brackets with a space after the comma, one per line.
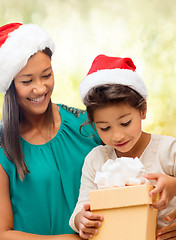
[112, 70]
[18, 42]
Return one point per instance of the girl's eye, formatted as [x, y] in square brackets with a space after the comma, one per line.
[105, 129]
[126, 124]
[47, 76]
[26, 82]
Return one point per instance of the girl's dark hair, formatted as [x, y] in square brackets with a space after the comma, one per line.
[11, 118]
[104, 95]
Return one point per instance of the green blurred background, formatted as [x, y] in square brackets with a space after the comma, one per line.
[144, 30]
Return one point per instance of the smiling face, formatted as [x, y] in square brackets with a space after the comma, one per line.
[119, 126]
[34, 84]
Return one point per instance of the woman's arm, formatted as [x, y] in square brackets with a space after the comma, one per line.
[6, 217]
[168, 232]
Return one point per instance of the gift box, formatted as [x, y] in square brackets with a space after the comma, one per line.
[127, 213]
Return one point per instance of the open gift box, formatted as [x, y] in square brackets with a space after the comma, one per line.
[127, 213]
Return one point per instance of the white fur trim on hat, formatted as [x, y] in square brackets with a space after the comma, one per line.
[113, 76]
[20, 45]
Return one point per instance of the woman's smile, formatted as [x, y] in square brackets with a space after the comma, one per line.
[38, 100]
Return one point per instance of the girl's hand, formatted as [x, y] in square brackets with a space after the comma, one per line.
[166, 188]
[87, 222]
[169, 232]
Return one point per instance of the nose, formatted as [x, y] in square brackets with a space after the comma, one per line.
[118, 135]
[39, 87]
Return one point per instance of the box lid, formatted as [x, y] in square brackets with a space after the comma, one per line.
[120, 197]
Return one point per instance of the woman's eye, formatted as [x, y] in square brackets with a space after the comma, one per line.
[126, 123]
[105, 129]
[47, 76]
[26, 82]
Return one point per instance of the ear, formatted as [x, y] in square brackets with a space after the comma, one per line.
[144, 112]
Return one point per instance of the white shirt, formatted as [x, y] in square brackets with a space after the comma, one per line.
[158, 157]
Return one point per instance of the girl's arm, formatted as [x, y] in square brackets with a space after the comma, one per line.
[82, 220]
[166, 188]
[87, 222]
[6, 217]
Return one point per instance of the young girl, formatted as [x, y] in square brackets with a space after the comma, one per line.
[42, 150]
[115, 98]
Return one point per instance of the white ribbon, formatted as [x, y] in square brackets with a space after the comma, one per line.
[120, 172]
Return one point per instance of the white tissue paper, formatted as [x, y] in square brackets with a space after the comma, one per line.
[121, 172]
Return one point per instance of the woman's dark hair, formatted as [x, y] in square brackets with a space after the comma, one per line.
[12, 116]
[108, 94]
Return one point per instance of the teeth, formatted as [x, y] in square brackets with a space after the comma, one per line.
[37, 99]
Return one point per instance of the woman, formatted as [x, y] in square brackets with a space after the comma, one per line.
[42, 149]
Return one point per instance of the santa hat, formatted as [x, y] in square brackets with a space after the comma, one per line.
[18, 43]
[112, 70]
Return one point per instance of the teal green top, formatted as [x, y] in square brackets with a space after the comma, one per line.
[43, 202]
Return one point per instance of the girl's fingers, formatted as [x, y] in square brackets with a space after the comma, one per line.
[87, 232]
[84, 235]
[156, 190]
[152, 176]
[93, 216]
[86, 206]
[159, 207]
[90, 224]
[162, 202]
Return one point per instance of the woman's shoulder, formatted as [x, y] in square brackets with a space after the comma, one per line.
[70, 114]
[0, 134]
[6, 164]
[75, 112]
[73, 118]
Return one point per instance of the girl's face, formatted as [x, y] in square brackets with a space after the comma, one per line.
[34, 84]
[119, 126]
